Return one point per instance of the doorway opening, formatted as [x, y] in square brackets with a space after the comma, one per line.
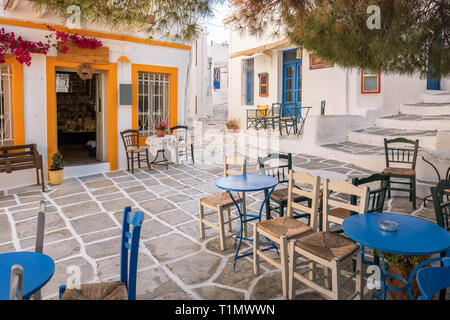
[80, 117]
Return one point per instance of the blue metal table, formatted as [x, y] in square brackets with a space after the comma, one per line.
[414, 237]
[38, 269]
[247, 183]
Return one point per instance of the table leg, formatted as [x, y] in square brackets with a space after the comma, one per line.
[164, 160]
[244, 218]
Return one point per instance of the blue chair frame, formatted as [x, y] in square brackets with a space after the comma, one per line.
[129, 252]
[432, 280]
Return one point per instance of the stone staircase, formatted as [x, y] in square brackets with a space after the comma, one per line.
[428, 121]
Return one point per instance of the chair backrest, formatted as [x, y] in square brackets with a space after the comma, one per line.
[376, 195]
[228, 162]
[401, 154]
[130, 138]
[431, 280]
[16, 283]
[276, 109]
[441, 206]
[313, 195]
[281, 172]
[180, 133]
[40, 227]
[131, 232]
[262, 110]
[344, 188]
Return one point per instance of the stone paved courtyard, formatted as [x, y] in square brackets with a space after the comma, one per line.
[83, 228]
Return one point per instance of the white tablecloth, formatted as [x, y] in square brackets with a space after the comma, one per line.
[166, 143]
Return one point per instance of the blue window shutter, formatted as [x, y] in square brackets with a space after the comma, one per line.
[250, 83]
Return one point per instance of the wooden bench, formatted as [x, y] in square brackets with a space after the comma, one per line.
[14, 158]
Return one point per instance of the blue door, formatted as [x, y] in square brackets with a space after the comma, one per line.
[433, 83]
[292, 82]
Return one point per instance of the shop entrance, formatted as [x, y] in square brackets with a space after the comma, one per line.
[80, 117]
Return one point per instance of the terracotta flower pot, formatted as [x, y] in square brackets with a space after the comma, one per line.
[56, 177]
[160, 133]
[233, 128]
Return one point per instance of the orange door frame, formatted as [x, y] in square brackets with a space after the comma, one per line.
[111, 107]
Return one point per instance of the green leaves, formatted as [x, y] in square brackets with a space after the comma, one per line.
[158, 18]
[413, 34]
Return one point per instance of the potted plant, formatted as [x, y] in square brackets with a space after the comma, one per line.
[402, 266]
[232, 125]
[56, 172]
[161, 128]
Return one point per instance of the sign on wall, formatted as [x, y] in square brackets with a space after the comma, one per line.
[75, 54]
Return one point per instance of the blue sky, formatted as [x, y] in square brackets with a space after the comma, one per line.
[217, 33]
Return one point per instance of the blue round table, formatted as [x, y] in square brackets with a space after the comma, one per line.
[247, 183]
[414, 237]
[38, 269]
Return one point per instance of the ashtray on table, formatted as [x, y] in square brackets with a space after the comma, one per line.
[388, 225]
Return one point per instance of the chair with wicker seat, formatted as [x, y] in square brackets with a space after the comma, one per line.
[283, 229]
[343, 209]
[281, 172]
[327, 249]
[130, 140]
[220, 202]
[126, 287]
[406, 156]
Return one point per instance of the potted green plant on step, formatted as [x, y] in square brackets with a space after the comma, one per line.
[233, 125]
[402, 266]
[56, 172]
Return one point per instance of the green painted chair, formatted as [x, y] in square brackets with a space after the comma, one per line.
[441, 205]
[256, 118]
[280, 171]
[402, 155]
[273, 115]
[288, 118]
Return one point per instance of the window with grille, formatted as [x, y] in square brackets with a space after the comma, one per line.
[154, 93]
[6, 130]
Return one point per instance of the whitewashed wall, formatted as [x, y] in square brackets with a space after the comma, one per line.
[35, 100]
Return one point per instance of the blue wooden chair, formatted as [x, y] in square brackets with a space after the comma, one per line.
[126, 287]
[432, 280]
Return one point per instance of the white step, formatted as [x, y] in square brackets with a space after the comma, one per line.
[428, 109]
[436, 96]
[414, 122]
[375, 136]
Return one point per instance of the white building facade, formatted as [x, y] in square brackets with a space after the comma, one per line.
[154, 72]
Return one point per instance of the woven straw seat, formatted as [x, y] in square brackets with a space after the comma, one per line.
[405, 172]
[98, 291]
[281, 195]
[287, 118]
[340, 213]
[218, 199]
[285, 226]
[327, 245]
[137, 150]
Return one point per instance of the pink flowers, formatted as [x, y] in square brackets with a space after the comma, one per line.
[19, 47]
[23, 48]
[161, 125]
[81, 42]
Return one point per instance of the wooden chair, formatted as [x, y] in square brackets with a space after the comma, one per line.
[327, 249]
[130, 140]
[343, 209]
[220, 202]
[283, 229]
[406, 156]
[16, 283]
[441, 206]
[256, 117]
[183, 142]
[281, 172]
[377, 195]
[40, 230]
[272, 116]
[126, 287]
[288, 118]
